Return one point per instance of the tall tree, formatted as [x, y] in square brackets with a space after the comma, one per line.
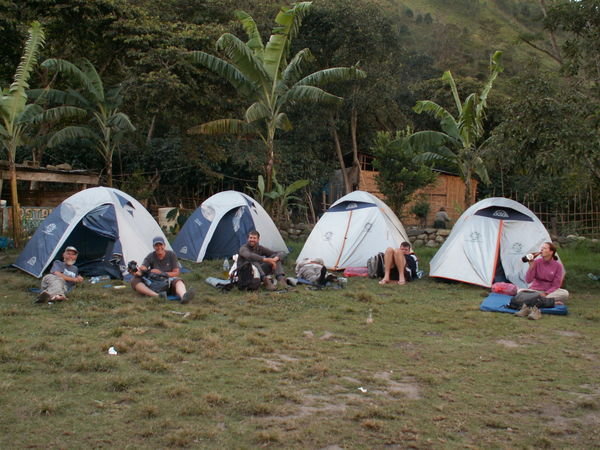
[460, 144]
[399, 175]
[106, 125]
[17, 115]
[264, 75]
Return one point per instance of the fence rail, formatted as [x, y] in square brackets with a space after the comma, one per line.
[580, 215]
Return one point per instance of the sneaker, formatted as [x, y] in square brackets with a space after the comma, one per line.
[187, 297]
[524, 312]
[44, 297]
[535, 314]
[269, 286]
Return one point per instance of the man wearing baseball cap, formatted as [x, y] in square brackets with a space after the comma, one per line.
[63, 276]
[159, 274]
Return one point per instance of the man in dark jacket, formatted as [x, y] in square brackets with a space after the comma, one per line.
[268, 262]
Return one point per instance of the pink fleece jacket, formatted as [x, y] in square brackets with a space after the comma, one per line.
[545, 276]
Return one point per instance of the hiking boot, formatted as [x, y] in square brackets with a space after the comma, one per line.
[535, 313]
[524, 312]
[187, 297]
[44, 297]
[269, 286]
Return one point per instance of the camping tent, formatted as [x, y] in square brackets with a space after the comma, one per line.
[99, 222]
[487, 243]
[219, 227]
[354, 228]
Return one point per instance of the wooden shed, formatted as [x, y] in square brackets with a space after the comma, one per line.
[448, 192]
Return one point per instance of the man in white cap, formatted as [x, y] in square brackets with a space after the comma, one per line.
[63, 276]
[158, 275]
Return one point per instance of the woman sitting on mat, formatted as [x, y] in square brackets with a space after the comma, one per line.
[545, 274]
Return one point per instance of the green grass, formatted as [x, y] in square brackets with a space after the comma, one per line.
[245, 370]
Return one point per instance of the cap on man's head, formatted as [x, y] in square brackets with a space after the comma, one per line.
[70, 248]
[158, 240]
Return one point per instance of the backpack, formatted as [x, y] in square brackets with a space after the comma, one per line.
[248, 277]
[375, 266]
[530, 299]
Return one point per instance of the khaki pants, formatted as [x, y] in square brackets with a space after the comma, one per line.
[54, 285]
[559, 295]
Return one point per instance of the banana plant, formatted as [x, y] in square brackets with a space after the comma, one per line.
[460, 144]
[269, 79]
[16, 115]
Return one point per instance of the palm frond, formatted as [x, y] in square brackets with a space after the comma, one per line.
[332, 75]
[59, 113]
[427, 141]
[120, 121]
[71, 133]
[447, 77]
[310, 94]
[470, 126]
[447, 121]
[257, 111]
[16, 96]
[95, 86]
[282, 122]
[288, 22]
[29, 113]
[243, 59]
[495, 69]
[71, 71]
[224, 126]
[224, 69]
[57, 97]
[254, 40]
[294, 70]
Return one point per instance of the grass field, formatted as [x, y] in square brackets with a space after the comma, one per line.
[298, 369]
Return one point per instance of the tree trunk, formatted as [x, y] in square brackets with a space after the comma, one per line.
[109, 167]
[270, 164]
[468, 191]
[151, 130]
[16, 210]
[338, 151]
[355, 182]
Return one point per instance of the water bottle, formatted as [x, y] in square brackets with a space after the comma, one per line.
[226, 268]
[99, 278]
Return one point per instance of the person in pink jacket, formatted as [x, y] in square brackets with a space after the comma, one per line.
[545, 274]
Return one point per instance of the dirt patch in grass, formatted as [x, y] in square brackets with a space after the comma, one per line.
[508, 343]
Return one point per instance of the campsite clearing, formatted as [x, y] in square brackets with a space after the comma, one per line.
[298, 369]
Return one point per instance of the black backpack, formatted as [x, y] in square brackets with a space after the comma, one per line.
[247, 280]
[375, 266]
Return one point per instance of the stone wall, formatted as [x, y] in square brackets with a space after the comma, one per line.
[427, 237]
[296, 232]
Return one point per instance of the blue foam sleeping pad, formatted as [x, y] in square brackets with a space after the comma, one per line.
[499, 303]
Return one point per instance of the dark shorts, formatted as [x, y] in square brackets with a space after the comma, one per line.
[171, 290]
[395, 276]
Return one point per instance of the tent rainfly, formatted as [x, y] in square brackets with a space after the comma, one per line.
[487, 243]
[220, 226]
[100, 222]
[354, 228]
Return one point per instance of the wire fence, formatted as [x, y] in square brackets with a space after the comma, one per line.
[580, 215]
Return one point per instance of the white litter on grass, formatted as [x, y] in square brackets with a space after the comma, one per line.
[112, 351]
[362, 389]
[119, 287]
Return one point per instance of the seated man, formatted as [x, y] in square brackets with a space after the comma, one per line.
[265, 260]
[400, 265]
[62, 278]
[161, 263]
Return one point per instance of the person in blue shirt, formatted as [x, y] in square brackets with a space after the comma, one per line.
[63, 277]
